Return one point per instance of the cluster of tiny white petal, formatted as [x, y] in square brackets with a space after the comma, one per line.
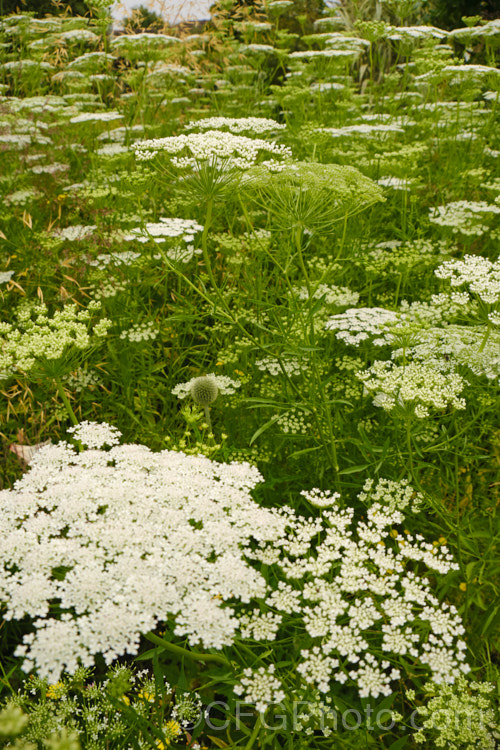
[470, 218]
[340, 296]
[466, 346]
[321, 498]
[37, 337]
[372, 677]
[225, 384]
[259, 626]
[393, 495]
[274, 366]
[355, 591]
[95, 434]
[142, 537]
[140, 332]
[96, 117]
[260, 687]
[236, 124]
[360, 323]
[243, 152]
[415, 386]
[75, 232]
[480, 274]
[185, 229]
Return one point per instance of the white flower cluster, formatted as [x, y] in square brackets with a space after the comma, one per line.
[470, 218]
[480, 274]
[295, 422]
[125, 258]
[140, 536]
[359, 598]
[36, 337]
[409, 33]
[260, 687]
[236, 124]
[140, 332]
[455, 346]
[339, 296]
[392, 495]
[96, 434]
[363, 129]
[386, 327]
[82, 379]
[291, 366]
[463, 715]
[96, 117]
[75, 233]
[214, 144]
[361, 323]
[185, 229]
[226, 386]
[312, 54]
[416, 387]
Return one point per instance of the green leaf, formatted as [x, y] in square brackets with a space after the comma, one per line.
[402, 742]
[264, 427]
[355, 469]
[305, 450]
[495, 614]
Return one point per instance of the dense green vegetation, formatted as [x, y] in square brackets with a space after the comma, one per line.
[249, 369]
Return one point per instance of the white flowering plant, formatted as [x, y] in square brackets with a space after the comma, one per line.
[108, 520]
[255, 264]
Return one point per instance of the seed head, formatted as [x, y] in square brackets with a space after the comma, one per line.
[204, 390]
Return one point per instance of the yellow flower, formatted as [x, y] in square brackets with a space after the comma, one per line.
[463, 586]
[172, 729]
[442, 540]
[56, 691]
[149, 697]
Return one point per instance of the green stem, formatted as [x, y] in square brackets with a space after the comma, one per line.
[408, 445]
[204, 244]
[184, 652]
[255, 733]
[207, 418]
[298, 245]
[66, 401]
[485, 337]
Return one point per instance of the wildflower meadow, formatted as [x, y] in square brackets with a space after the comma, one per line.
[249, 379]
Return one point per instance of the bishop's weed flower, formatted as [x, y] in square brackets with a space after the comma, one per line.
[38, 340]
[311, 196]
[141, 537]
[416, 387]
[180, 534]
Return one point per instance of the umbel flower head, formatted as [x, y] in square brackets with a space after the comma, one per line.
[142, 537]
[311, 196]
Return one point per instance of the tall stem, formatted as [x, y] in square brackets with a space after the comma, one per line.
[485, 338]
[408, 445]
[298, 245]
[204, 243]
[255, 733]
[206, 409]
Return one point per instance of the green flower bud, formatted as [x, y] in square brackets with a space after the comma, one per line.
[204, 390]
[12, 720]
